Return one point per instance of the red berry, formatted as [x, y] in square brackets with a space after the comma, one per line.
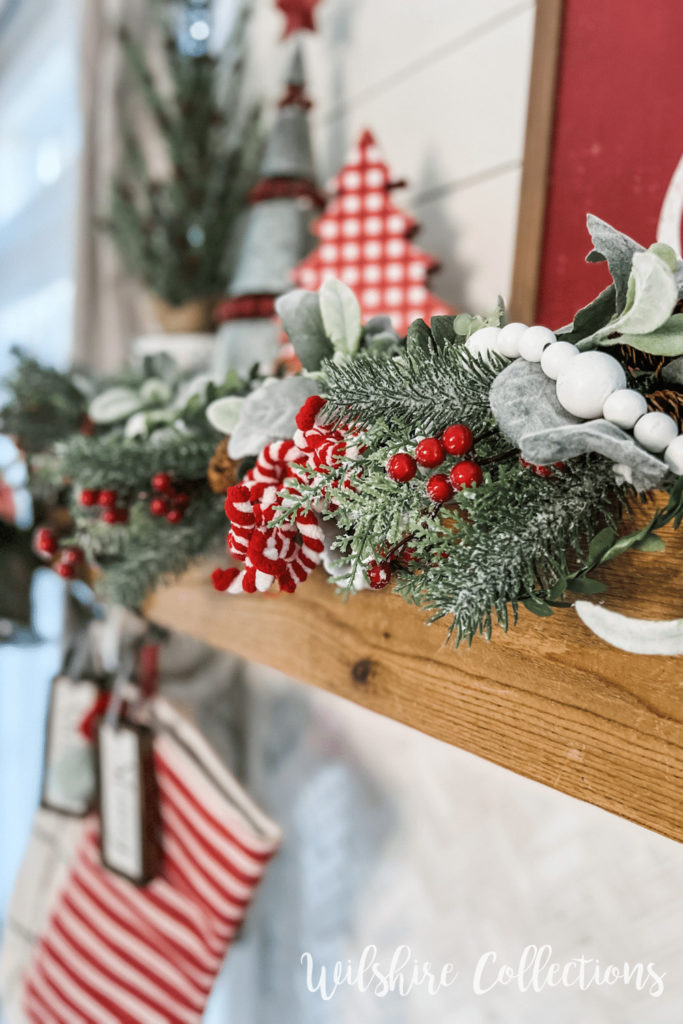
[439, 488]
[158, 506]
[457, 439]
[543, 471]
[466, 474]
[45, 541]
[407, 556]
[181, 499]
[174, 516]
[89, 496]
[71, 556]
[110, 516]
[401, 467]
[429, 452]
[107, 498]
[121, 515]
[162, 482]
[65, 570]
[379, 574]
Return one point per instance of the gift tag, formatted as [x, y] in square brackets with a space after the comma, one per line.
[68, 774]
[129, 828]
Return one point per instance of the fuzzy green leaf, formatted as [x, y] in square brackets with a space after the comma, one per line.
[443, 329]
[651, 296]
[341, 316]
[114, 404]
[667, 340]
[590, 318]
[419, 335]
[618, 249]
[301, 318]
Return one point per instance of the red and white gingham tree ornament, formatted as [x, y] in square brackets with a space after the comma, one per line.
[365, 241]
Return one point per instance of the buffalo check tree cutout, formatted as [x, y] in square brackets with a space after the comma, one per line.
[365, 241]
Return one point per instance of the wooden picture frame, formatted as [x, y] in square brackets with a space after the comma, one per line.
[537, 152]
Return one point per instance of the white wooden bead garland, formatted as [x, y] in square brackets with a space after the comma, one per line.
[533, 341]
[508, 339]
[589, 385]
[483, 341]
[655, 431]
[586, 383]
[624, 408]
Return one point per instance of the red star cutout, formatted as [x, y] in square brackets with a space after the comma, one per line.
[299, 14]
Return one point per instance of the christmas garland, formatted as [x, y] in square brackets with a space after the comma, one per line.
[474, 466]
[118, 471]
[479, 466]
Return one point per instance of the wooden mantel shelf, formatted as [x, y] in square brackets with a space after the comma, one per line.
[547, 700]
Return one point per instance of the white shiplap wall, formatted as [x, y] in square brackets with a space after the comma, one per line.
[443, 85]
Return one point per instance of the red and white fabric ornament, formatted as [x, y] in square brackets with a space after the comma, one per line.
[365, 241]
[286, 553]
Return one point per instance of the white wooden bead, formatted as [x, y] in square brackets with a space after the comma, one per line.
[655, 431]
[483, 341]
[533, 341]
[508, 339]
[673, 456]
[586, 383]
[556, 358]
[624, 408]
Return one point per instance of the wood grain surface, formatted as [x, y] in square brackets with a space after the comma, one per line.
[548, 700]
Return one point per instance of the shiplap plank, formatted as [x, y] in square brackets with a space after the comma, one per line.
[472, 229]
[452, 126]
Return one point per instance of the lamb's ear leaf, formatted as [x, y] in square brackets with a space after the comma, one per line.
[419, 336]
[615, 247]
[667, 340]
[590, 318]
[114, 404]
[443, 329]
[223, 414]
[301, 318]
[341, 316]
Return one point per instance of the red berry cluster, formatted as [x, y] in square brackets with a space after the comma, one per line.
[169, 500]
[379, 573]
[46, 545]
[456, 440]
[113, 507]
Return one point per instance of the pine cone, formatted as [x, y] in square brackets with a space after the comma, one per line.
[222, 470]
[668, 400]
[634, 359]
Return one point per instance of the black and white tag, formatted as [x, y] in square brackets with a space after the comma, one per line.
[129, 813]
[68, 773]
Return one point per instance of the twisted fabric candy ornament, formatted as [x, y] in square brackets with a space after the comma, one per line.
[287, 553]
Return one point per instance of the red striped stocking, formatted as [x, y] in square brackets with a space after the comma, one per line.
[113, 953]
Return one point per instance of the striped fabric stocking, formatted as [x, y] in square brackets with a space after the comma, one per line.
[113, 953]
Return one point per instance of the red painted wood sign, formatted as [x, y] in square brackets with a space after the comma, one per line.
[618, 139]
